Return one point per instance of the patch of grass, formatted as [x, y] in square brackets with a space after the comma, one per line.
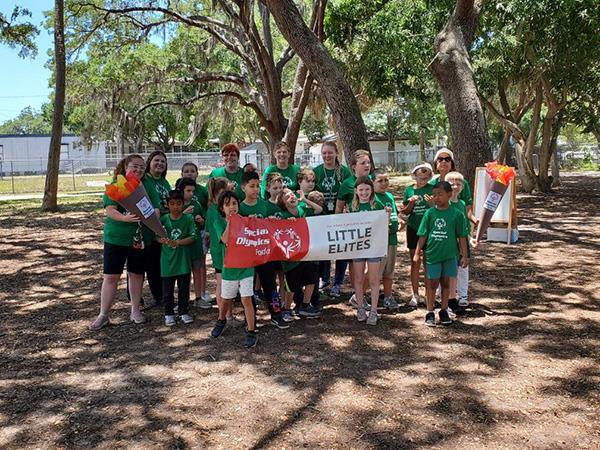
[66, 204]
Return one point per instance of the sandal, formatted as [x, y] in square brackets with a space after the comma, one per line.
[138, 319]
[100, 322]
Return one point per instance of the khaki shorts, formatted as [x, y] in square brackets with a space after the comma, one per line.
[388, 264]
[230, 288]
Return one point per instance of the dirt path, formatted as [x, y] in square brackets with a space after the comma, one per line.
[521, 371]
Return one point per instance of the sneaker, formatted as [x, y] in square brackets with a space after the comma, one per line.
[453, 304]
[170, 321]
[309, 311]
[186, 319]
[286, 315]
[234, 322]
[463, 302]
[203, 304]
[422, 300]
[335, 291]
[138, 318]
[218, 328]
[257, 297]
[101, 321]
[366, 301]
[372, 319]
[451, 313]
[324, 284]
[278, 322]
[207, 298]
[390, 303]
[361, 314]
[251, 339]
[430, 319]
[414, 301]
[445, 317]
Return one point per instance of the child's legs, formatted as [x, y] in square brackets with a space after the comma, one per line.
[463, 282]
[340, 271]
[358, 268]
[448, 280]
[202, 277]
[246, 293]
[386, 270]
[446, 284]
[265, 274]
[314, 299]
[183, 293]
[281, 281]
[310, 275]
[373, 275]
[325, 270]
[432, 281]
[414, 272]
[197, 272]
[168, 294]
[451, 288]
[108, 291]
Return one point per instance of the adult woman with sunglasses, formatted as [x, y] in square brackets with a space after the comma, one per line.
[444, 164]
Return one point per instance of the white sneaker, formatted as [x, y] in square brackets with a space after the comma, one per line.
[463, 302]
[170, 321]
[203, 304]
[206, 298]
[414, 301]
[366, 300]
[361, 314]
[451, 313]
[186, 318]
[372, 320]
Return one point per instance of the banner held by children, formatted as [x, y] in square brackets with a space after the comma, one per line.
[252, 241]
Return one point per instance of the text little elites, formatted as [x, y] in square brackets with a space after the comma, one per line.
[256, 238]
[360, 240]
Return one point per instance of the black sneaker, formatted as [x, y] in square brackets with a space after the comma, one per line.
[309, 311]
[251, 339]
[453, 304]
[277, 321]
[218, 328]
[445, 317]
[430, 319]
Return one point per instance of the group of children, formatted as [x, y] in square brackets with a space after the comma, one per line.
[196, 219]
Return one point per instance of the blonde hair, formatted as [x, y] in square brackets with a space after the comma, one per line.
[356, 155]
[317, 197]
[454, 174]
[214, 187]
[358, 182]
[338, 166]
[305, 172]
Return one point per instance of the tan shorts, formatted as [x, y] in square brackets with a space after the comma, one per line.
[230, 288]
[388, 264]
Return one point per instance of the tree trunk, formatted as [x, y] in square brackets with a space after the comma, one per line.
[50, 201]
[452, 70]
[529, 180]
[596, 132]
[340, 98]
[422, 154]
[302, 86]
[504, 147]
[391, 135]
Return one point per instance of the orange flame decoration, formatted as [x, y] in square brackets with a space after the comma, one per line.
[123, 187]
[500, 172]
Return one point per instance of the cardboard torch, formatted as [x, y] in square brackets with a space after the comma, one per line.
[130, 193]
[501, 176]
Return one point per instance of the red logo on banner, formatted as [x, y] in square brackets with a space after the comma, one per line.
[252, 241]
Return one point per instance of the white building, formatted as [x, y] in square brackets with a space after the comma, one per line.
[28, 154]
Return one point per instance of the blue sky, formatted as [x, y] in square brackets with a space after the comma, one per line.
[24, 82]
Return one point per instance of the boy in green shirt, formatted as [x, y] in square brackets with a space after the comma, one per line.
[175, 258]
[234, 280]
[440, 228]
[381, 184]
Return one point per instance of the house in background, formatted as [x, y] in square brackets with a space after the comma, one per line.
[27, 154]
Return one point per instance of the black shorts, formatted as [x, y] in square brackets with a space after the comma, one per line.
[116, 255]
[302, 275]
[412, 239]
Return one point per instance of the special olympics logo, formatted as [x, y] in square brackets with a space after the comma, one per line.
[328, 184]
[176, 233]
[439, 223]
[288, 240]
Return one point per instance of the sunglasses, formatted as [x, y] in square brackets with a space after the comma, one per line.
[445, 158]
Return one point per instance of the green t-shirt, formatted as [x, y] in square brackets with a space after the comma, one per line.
[273, 210]
[460, 205]
[201, 195]
[158, 190]
[259, 210]
[288, 174]
[465, 195]
[213, 217]
[387, 199]
[230, 273]
[197, 247]
[415, 217]
[442, 227]
[346, 191]
[329, 182]
[178, 260]
[235, 178]
[377, 205]
[122, 233]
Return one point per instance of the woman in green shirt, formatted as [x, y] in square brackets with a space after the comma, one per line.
[124, 239]
[282, 165]
[158, 189]
[444, 164]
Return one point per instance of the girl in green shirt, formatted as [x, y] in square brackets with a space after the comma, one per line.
[364, 200]
[124, 239]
